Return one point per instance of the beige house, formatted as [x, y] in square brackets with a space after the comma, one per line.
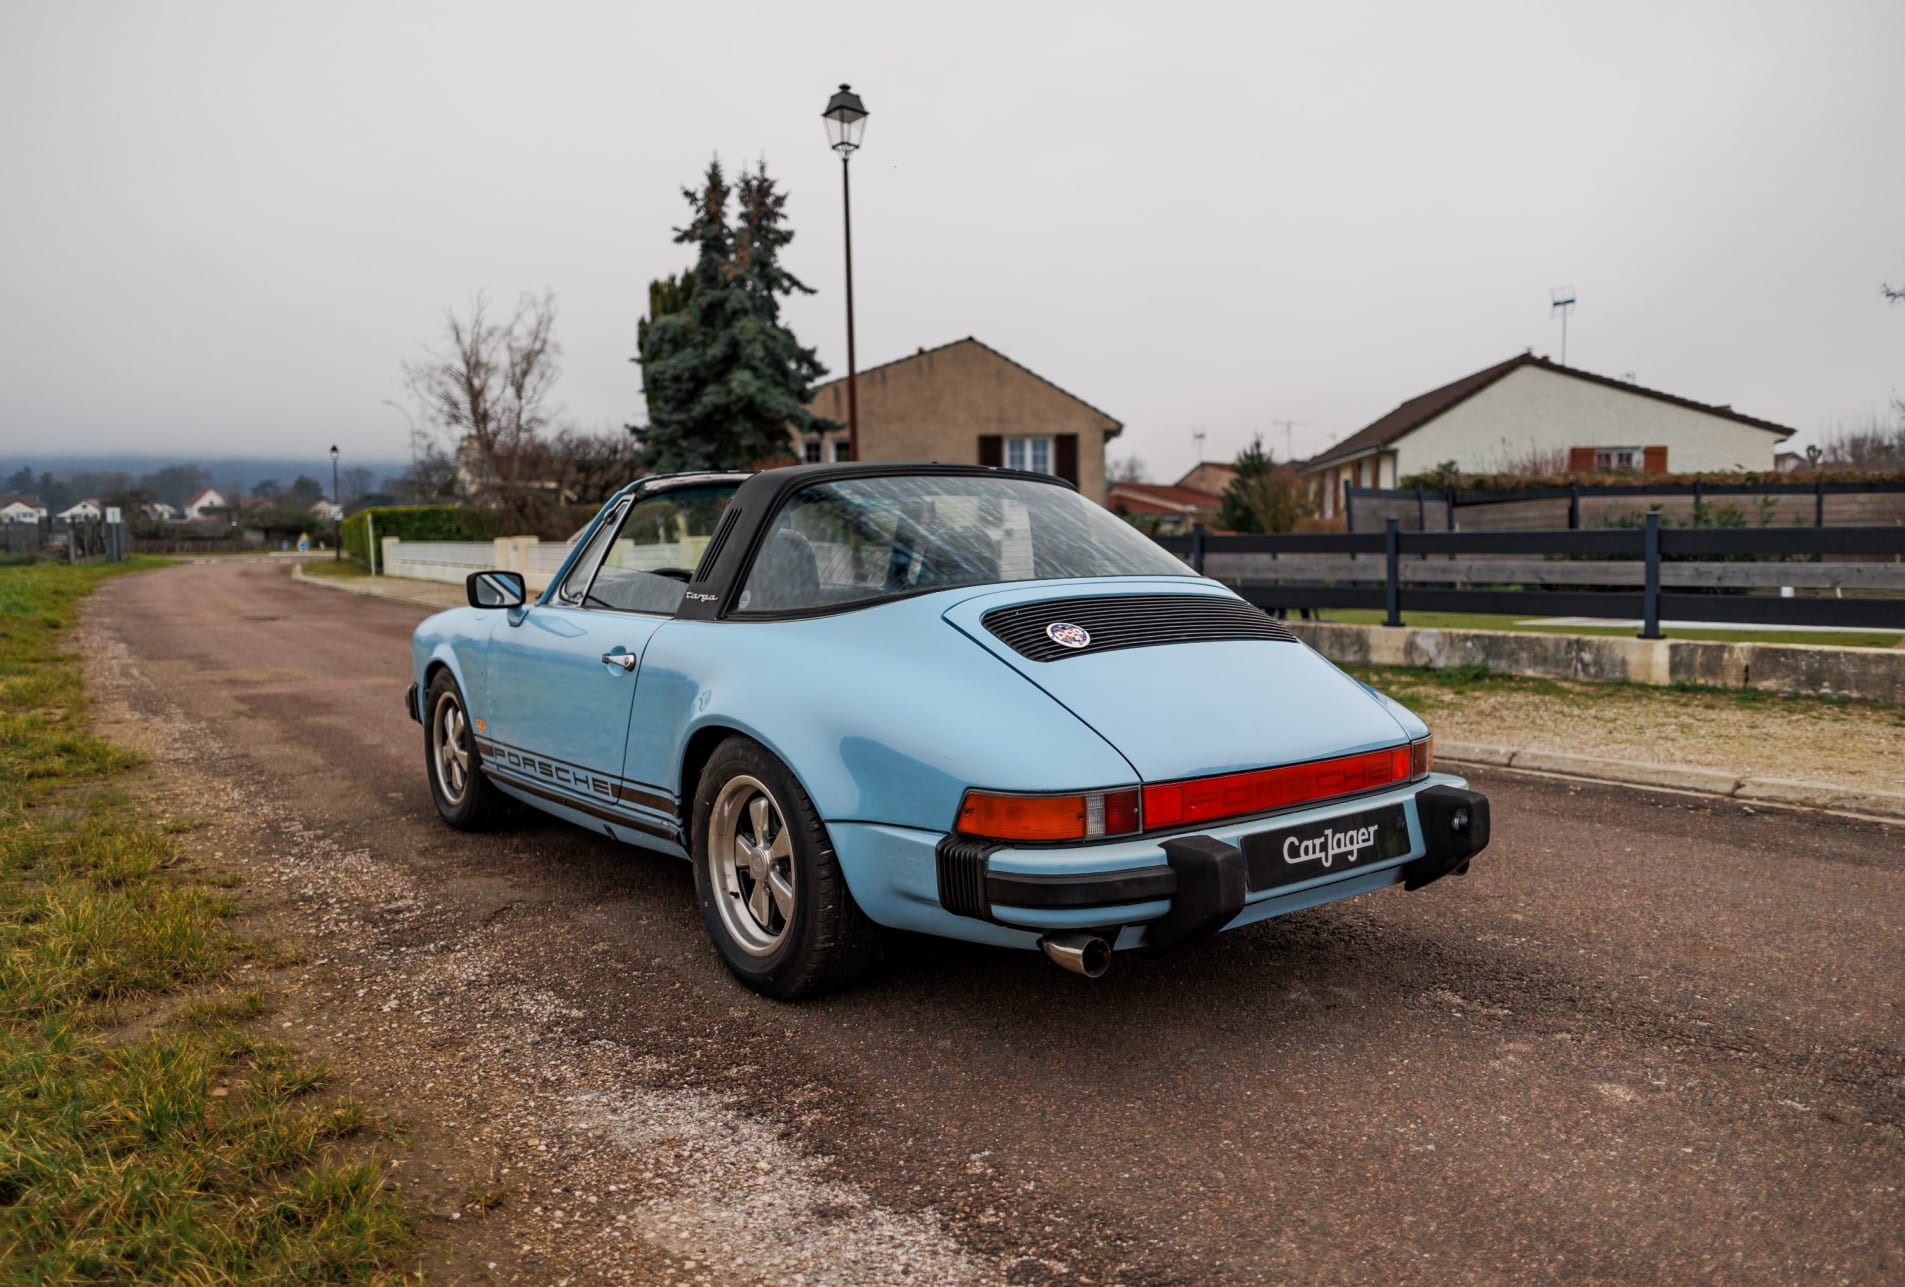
[1530, 410]
[964, 403]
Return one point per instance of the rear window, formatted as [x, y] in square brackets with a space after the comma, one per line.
[855, 541]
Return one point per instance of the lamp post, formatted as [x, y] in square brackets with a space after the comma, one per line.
[337, 511]
[846, 118]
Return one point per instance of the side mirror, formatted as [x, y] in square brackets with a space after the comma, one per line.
[496, 589]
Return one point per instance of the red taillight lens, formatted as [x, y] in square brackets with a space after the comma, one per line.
[1422, 753]
[1088, 815]
[1232, 795]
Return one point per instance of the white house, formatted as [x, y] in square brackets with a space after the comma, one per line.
[204, 503]
[16, 508]
[1529, 409]
[88, 508]
[161, 512]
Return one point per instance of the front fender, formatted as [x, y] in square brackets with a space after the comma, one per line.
[458, 640]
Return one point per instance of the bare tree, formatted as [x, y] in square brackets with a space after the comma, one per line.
[487, 400]
[1126, 469]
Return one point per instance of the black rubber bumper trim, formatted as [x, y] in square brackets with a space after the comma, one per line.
[1081, 889]
[410, 703]
[1454, 829]
[1210, 890]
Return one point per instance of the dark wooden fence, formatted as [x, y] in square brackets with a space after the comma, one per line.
[1809, 504]
[1758, 576]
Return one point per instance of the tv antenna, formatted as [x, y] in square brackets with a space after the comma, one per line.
[1289, 438]
[1561, 300]
[1197, 436]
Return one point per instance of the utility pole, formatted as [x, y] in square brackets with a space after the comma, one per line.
[1289, 438]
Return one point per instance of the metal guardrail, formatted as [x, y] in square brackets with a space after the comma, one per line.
[1385, 586]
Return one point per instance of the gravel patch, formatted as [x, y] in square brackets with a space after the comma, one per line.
[539, 1151]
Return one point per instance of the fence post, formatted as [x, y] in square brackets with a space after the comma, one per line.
[1574, 506]
[1392, 587]
[1650, 596]
[1818, 502]
[1197, 548]
[1349, 509]
[1696, 502]
[370, 539]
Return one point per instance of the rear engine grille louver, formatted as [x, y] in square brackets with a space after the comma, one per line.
[1130, 621]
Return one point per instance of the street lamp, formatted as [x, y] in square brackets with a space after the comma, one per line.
[337, 510]
[846, 118]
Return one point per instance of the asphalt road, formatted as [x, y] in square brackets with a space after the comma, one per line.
[1650, 1036]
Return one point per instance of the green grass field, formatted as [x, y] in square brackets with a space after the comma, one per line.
[147, 1133]
[1488, 621]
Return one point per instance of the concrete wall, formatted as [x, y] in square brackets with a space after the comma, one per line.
[1537, 410]
[935, 406]
[1860, 674]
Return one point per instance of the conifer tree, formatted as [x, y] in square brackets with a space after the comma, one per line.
[726, 382]
[1263, 496]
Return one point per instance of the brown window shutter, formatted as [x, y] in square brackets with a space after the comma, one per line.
[1066, 445]
[991, 449]
[1580, 460]
[1654, 460]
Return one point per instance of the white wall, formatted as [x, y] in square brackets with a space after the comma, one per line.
[1533, 409]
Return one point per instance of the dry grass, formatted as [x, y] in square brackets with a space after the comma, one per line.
[145, 1133]
[1750, 733]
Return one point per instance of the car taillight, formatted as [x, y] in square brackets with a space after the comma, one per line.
[1232, 795]
[1422, 756]
[1088, 815]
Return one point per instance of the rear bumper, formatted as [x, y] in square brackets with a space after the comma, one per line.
[1155, 892]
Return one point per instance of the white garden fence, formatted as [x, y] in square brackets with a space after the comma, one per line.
[452, 561]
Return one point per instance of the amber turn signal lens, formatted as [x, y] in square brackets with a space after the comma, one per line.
[985, 815]
[1422, 756]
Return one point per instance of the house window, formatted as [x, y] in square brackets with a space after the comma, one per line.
[813, 451]
[1617, 458]
[1033, 454]
[841, 449]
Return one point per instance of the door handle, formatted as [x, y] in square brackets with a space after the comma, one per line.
[626, 660]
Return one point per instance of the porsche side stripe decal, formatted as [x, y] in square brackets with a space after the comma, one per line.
[576, 777]
[619, 817]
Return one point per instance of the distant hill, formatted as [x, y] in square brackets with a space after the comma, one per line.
[247, 471]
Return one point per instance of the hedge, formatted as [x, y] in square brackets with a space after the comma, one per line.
[419, 523]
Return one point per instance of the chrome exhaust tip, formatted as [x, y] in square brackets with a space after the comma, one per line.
[1085, 954]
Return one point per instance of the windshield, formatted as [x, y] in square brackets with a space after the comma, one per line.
[856, 540]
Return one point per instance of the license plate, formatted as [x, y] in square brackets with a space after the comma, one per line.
[1290, 854]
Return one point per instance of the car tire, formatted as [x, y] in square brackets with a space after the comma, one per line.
[771, 890]
[464, 796]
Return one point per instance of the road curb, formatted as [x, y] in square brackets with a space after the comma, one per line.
[359, 588]
[1787, 791]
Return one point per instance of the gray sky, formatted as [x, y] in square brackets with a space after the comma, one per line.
[224, 226]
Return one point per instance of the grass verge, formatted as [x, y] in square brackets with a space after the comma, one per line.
[146, 1132]
[344, 570]
[1496, 621]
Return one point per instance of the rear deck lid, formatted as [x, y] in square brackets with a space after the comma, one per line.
[1181, 676]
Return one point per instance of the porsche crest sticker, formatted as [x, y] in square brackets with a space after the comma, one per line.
[1067, 635]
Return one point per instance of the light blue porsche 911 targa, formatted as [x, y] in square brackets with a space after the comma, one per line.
[948, 699]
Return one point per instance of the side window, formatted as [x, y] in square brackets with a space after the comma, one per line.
[648, 565]
[576, 584]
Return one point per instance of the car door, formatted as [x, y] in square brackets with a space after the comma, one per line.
[563, 672]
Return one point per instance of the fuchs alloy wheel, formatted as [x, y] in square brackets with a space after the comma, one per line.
[772, 894]
[464, 797]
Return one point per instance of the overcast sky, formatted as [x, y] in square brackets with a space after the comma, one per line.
[223, 227]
